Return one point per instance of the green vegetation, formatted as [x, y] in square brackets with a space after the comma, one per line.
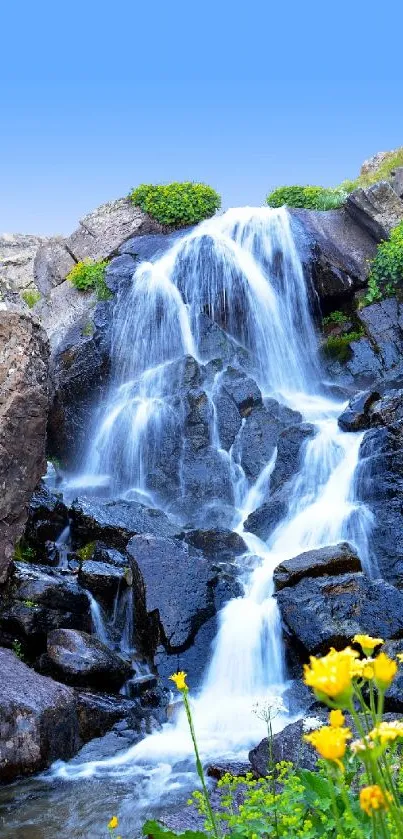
[337, 318]
[88, 329]
[177, 204]
[87, 551]
[31, 296]
[356, 788]
[386, 275]
[324, 198]
[30, 604]
[90, 276]
[23, 553]
[338, 346]
[17, 648]
[307, 197]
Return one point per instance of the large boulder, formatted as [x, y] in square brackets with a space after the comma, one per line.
[48, 516]
[357, 414]
[82, 660]
[115, 522]
[38, 719]
[328, 611]
[23, 416]
[377, 208]
[101, 233]
[17, 257]
[336, 559]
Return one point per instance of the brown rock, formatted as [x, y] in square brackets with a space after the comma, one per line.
[23, 415]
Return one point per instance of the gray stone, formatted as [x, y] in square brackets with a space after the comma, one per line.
[115, 522]
[82, 660]
[52, 263]
[103, 231]
[17, 256]
[336, 559]
[38, 720]
[357, 414]
[397, 180]
[378, 209]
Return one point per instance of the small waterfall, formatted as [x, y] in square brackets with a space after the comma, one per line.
[97, 619]
[243, 272]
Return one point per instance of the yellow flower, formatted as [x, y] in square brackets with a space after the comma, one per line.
[180, 680]
[331, 675]
[336, 719]
[387, 732]
[385, 670]
[114, 822]
[367, 643]
[330, 742]
[399, 657]
[372, 798]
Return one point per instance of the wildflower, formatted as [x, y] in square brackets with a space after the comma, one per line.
[336, 719]
[331, 675]
[385, 670]
[330, 742]
[372, 798]
[387, 732]
[114, 822]
[363, 745]
[399, 657]
[269, 709]
[180, 680]
[367, 643]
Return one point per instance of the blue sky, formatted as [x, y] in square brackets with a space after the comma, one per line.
[96, 99]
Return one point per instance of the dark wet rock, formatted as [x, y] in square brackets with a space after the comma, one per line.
[242, 389]
[118, 271]
[24, 354]
[38, 600]
[193, 661]
[206, 477]
[237, 769]
[289, 453]
[151, 246]
[198, 417]
[364, 365]
[228, 418]
[394, 696]
[376, 208]
[220, 544]
[328, 611]
[180, 588]
[115, 522]
[257, 440]
[104, 580]
[387, 410]
[38, 719]
[287, 745]
[356, 416]
[82, 660]
[265, 519]
[48, 516]
[335, 252]
[336, 559]
[98, 713]
[215, 343]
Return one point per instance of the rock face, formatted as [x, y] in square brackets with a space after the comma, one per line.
[328, 611]
[38, 719]
[377, 209]
[357, 414]
[335, 559]
[23, 415]
[17, 257]
[82, 660]
[115, 522]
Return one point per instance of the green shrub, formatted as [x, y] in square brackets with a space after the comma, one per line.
[307, 197]
[90, 276]
[338, 346]
[177, 204]
[31, 296]
[336, 317]
[88, 329]
[387, 267]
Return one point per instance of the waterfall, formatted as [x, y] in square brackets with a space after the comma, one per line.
[97, 619]
[243, 272]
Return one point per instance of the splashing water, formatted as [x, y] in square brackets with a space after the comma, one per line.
[243, 272]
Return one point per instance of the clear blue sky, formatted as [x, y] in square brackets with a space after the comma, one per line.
[245, 96]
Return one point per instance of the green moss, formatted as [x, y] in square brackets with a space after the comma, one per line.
[88, 329]
[87, 551]
[177, 204]
[23, 553]
[338, 346]
[90, 276]
[29, 603]
[31, 297]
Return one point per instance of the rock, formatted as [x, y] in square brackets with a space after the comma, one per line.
[257, 440]
[98, 713]
[103, 231]
[265, 519]
[372, 164]
[335, 251]
[228, 419]
[384, 325]
[82, 660]
[387, 410]
[206, 486]
[38, 720]
[394, 695]
[289, 453]
[37, 600]
[23, 415]
[150, 247]
[288, 745]
[322, 612]
[115, 522]
[377, 208]
[119, 270]
[214, 342]
[52, 263]
[336, 559]
[103, 580]
[356, 416]
[48, 516]
[220, 544]
[64, 309]
[242, 389]
[397, 181]
[17, 256]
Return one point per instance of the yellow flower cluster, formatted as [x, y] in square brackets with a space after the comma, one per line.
[367, 643]
[372, 798]
[387, 732]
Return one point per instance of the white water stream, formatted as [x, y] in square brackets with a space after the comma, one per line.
[243, 270]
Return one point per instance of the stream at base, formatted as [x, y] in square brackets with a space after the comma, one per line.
[256, 271]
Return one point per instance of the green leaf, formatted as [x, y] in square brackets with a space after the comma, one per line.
[155, 830]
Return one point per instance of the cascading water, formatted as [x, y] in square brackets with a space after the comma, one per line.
[243, 273]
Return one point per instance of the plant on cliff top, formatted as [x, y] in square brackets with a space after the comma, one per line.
[90, 276]
[387, 266]
[307, 197]
[177, 204]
